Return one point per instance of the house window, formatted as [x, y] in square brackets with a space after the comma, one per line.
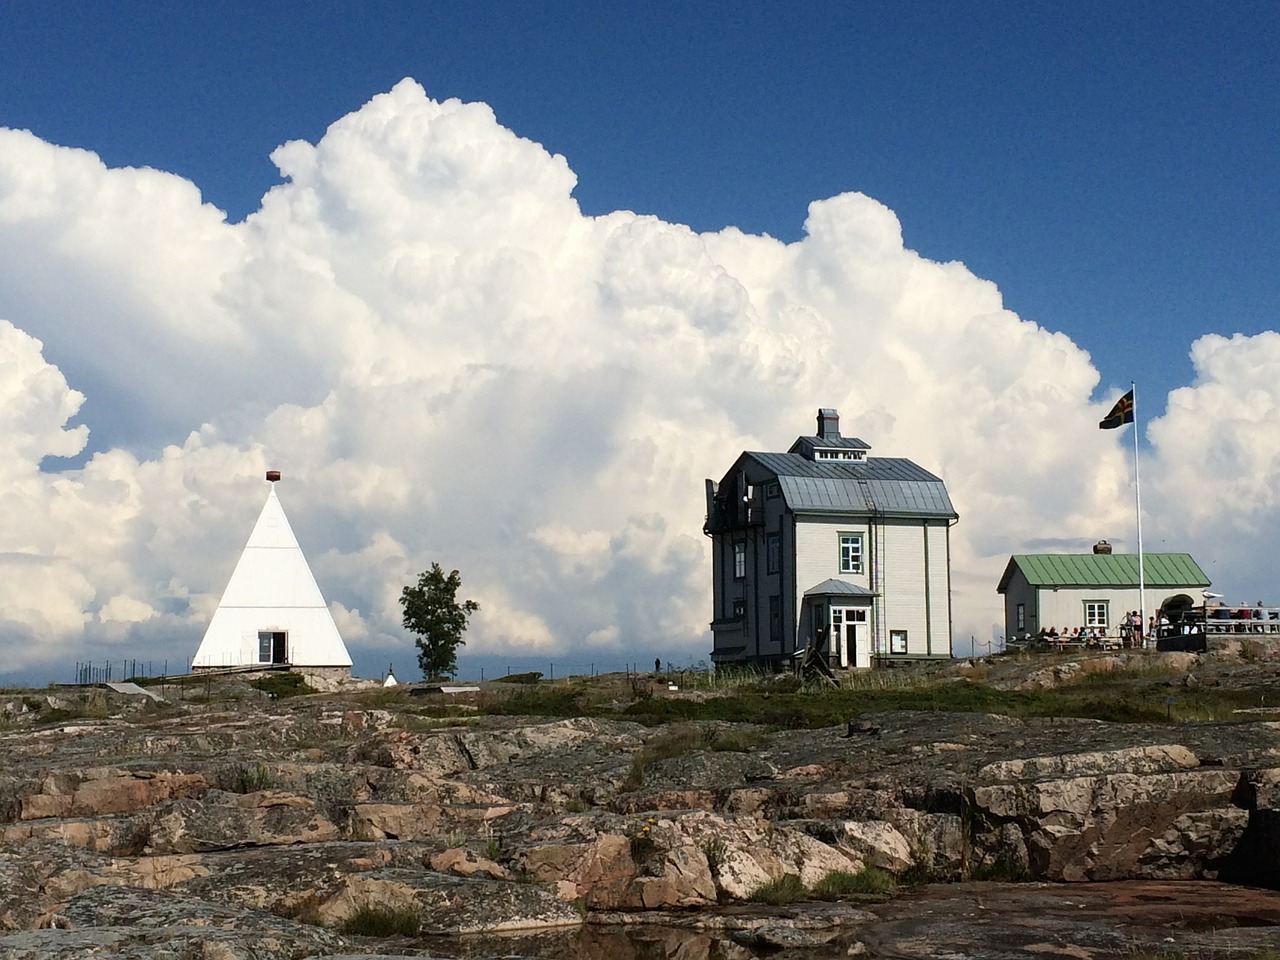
[1095, 613]
[771, 491]
[773, 552]
[897, 641]
[1020, 618]
[739, 560]
[775, 619]
[739, 609]
[850, 553]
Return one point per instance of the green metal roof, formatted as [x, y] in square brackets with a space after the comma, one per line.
[1105, 570]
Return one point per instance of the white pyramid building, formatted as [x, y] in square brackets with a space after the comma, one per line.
[272, 611]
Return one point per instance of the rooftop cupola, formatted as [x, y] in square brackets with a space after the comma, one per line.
[828, 445]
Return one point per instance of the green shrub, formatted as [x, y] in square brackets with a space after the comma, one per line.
[532, 676]
[541, 702]
[278, 686]
[657, 710]
[839, 884]
[76, 711]
[382, 920]
[780, 891]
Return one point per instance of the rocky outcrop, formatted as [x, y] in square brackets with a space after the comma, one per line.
[314, 812]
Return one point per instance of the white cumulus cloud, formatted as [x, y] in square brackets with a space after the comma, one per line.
[451, 363]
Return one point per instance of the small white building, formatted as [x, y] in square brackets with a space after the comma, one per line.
[272, 611]
[825, 545]
[1093, 590]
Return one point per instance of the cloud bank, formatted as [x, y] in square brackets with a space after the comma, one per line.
[450, 362]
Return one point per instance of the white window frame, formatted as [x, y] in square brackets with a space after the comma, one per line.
[740, 560]
[1020, 618]
[849, 562]
[897, 642]
[1097, 613]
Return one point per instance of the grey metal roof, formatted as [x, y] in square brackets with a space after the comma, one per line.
[834, 587]
[882, 485]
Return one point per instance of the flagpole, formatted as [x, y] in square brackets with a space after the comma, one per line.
[1137, 492]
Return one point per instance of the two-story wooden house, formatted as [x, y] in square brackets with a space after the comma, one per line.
[829, 546]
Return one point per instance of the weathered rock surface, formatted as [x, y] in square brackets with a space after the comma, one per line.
[291, 819]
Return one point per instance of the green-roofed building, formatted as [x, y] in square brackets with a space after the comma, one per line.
[1062, 590]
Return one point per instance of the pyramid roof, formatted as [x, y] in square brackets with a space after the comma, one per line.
[273, 591]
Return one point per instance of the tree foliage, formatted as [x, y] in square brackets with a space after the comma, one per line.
[432, 611]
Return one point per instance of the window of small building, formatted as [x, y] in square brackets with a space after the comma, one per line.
[1095, 613]
[739, 609]
[851, 553]
[1020, 617]
[897, 641]
[772, 491]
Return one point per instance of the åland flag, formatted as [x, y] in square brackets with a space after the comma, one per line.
[1120, 414]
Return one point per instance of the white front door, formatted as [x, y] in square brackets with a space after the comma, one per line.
[849, 636]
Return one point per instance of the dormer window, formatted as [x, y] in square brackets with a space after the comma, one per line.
[820, 454]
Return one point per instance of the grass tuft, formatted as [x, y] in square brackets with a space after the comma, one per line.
[839, 884]
[382, 920]
[244, 777]
[780, 891]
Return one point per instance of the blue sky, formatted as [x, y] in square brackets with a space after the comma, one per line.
[1112, 167]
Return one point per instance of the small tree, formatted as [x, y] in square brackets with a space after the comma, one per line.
[432, 611]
